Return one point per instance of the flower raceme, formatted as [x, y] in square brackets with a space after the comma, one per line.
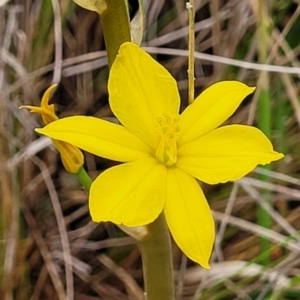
[71, 156]
[163, 152]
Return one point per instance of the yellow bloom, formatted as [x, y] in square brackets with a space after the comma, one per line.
[163, 152]
[71, 156]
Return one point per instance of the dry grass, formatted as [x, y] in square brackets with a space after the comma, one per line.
[49, 248]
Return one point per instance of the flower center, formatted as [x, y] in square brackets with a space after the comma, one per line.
[166, 151]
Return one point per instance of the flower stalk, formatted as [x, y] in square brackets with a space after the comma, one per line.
[157, 261]
[191, 60]
[116, 27]
[84, 179]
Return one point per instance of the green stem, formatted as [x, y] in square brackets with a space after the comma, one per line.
[191, 62]
[264, 118]
[84, 179]
[116, 27]
[157, 261]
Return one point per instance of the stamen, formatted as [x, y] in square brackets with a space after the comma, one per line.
[169, 130]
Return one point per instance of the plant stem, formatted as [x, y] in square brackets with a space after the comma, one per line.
[116, 27]
[191, 73]
[264, 117]
[84, 179]
[157, 261]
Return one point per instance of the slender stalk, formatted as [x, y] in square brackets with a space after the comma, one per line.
[191, 62]
[157, 261]
[264, 120]
[116, 27]
[84, 179]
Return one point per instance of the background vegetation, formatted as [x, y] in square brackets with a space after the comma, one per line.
[47, 239]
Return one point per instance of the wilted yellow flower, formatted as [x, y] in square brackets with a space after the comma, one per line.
[163, 152]
[71, 156]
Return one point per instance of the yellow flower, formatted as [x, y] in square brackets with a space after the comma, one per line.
[163, 152]
[71, 156]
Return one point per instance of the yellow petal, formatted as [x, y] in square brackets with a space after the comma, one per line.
[140, 91]
[71, 157]
[132, 194]
[46, 110]
[227, 153]
[189, 217]
[211, 108]
[99, 137]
